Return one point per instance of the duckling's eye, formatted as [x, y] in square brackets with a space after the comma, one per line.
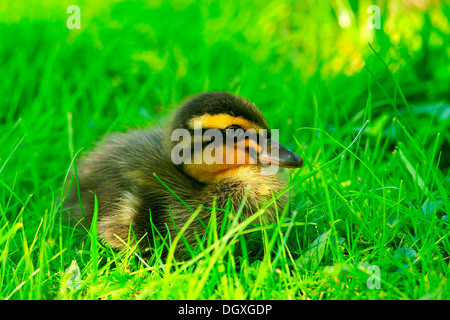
[234, 130]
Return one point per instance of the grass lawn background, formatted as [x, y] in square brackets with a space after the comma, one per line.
[368, 111]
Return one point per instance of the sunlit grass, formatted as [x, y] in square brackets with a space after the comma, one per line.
[370, 121]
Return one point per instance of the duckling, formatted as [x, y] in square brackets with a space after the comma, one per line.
[148, 176]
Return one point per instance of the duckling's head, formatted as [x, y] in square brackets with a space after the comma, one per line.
[215, 135]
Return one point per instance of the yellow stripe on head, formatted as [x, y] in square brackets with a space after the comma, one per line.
[222, 121]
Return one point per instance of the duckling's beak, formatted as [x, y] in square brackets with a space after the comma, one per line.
[279, 156]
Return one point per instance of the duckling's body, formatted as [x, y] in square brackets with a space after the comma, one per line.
[125, 170]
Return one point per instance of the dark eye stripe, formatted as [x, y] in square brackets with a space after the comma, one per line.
[234, 127]
[236, 139]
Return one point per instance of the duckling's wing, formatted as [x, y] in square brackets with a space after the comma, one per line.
[120, 173]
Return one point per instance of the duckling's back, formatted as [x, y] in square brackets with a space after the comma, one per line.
[125, 173]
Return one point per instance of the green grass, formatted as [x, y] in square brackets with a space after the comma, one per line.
[370, 121]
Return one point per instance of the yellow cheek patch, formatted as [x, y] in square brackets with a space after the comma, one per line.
[222, 121]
